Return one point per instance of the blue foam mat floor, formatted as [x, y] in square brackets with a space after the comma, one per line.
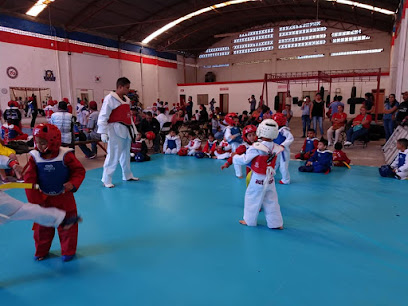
[174, 239]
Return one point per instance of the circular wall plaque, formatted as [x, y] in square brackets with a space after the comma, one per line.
[4, 91]
[12, 72]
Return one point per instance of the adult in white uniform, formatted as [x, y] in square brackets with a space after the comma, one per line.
[114, 125]
[14, 210]
[261, 191]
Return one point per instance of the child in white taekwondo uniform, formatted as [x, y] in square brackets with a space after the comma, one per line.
[115, 125]
[14, 210]
[261, 191]
[284, 139]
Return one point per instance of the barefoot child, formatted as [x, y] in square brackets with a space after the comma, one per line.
[261, 191]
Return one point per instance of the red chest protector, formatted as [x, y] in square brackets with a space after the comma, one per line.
[260, 163]
[136, 147]
[121, 114]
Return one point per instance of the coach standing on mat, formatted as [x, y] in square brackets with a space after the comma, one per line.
[117, 129]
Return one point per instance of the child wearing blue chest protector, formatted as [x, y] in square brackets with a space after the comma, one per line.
[321, 161]
[285, 139]
[233, 136]
[399, 167]
[172, 143]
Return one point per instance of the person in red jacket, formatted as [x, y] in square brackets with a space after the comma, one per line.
[59, 174]
[210, 146]
[340, 158]
[309, 146]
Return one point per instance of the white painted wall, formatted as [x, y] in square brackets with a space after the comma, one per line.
[78, 71]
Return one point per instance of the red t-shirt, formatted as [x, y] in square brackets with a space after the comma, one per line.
[337, 118]
[360, 118]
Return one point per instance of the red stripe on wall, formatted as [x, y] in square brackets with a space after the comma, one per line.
[65, 46]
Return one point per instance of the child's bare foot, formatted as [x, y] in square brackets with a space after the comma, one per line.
[278, 228]
[242, 222]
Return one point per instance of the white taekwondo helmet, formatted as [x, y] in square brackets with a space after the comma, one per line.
[268, 128]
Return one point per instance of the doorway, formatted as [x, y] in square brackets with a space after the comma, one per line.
[224, 98]
[182, 100]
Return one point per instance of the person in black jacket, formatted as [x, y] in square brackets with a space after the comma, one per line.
[150, 124]
[12, 114]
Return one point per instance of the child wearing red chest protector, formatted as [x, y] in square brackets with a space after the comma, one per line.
[59, 174]
[261, 191]
[249, 137]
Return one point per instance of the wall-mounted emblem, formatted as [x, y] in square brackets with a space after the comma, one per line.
[49, 75]
[12, 72]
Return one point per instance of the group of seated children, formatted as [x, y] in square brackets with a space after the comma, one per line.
[318, 158]
[399, 167]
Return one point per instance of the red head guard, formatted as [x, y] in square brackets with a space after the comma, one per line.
[50, 102]
[30, 99]
[50, 133]
[12, 103]
[93, 105]
[279, 118]
[65, 99]
[248, 129]
[229, 118]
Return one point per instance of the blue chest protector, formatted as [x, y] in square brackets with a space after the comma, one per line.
[324, 158]
[309, 145]
[171, 144]
[52, 173]
[234, 131]
[280, 139]
[401, 159]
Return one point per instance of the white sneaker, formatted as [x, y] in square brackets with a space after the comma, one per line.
[347, 143]
[109, 185]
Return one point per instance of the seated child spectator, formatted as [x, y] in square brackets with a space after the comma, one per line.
[321, 161]
[210, 146]
[309, 146]
[193, 146]
[138, 150]
[249, 137]
[11, 132]
[172, 142]
[11, 154]
[340, 158]
[399, 167]
[223, 150]
[12, 114]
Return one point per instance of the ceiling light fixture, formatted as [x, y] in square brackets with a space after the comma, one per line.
[38, 7]
[191, 15]
[364, 6]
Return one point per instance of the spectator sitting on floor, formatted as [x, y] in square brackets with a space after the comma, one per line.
[309, 146]
[359, 127]
[11, 132]
[340, 158]
[12, 114]
[321, 161]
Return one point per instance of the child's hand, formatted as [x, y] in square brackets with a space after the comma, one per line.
[309, 163]
[18, 170]
[68, 186]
